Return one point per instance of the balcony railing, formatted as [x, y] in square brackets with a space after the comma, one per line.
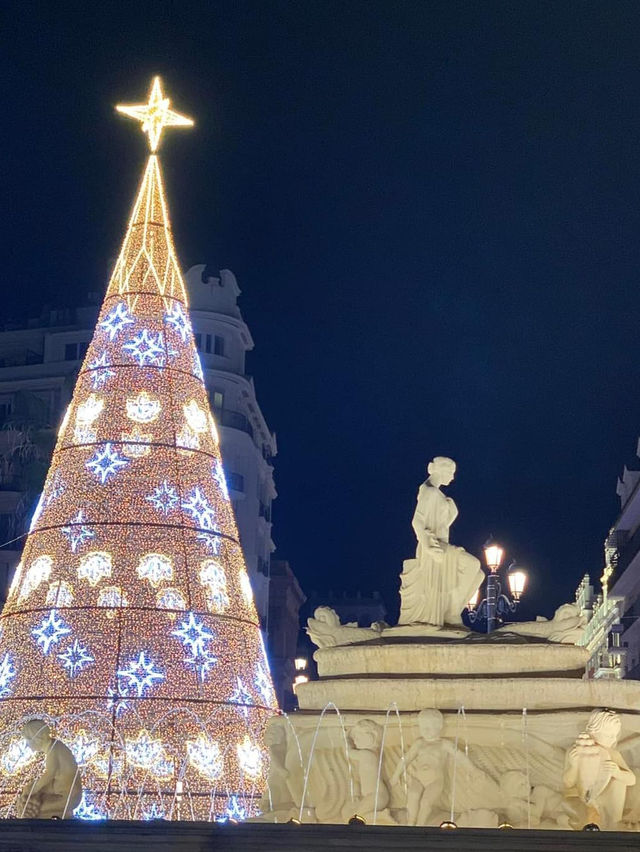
[235, 420]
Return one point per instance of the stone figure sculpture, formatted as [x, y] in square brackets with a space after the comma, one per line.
[437, 584]
[566, 627]
[58, 791]
[366, 739]
[595, 771]
[426, 765]
[326, 631]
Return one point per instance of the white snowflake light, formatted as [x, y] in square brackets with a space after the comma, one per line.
[187, 441]
[89, 410]
[7, 673]
[101, 371]
[234, 810]
[141, 674]
[156, 568]
[205, 756]
[60, 594]
[88, 811]
[112, 597]
[147, 348]
[116, 320]
[143, 408]
[147, 753]
[197, 367]
[245, 585]
[39, 570]
[106, 462]
[220, 478]
[265, 686]
[84, 747]
[249, 758]
[76, 658]
[178, 320]
[195, 416]
[77, 532]
[155, 811]
[171, 599]
[210, 541]
[138, 442]
[213, 579]
[200, 510]
[16, 757]
[95, 566]
[50, 631]
[164, 498]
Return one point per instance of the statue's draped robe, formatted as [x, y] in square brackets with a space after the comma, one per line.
[436, 592]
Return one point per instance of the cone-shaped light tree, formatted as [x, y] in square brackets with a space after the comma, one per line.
[130, 623]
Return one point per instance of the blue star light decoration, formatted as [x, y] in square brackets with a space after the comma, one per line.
[146, 349]
[164, 498]
[101, 371]
[193, 634]
[50, 631]
[76, 658]
[116, 320]
[7, 674]
[117, 700]
[242, 697]
[141, 674]
[77, 532]
[210, 541]
[106, 462]
[202, 661]
[200, 510]
[179, 321]
[221, 479]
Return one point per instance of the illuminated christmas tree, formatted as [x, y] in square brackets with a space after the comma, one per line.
[130, 623]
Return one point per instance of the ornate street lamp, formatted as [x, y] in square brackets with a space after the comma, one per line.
[496, 604]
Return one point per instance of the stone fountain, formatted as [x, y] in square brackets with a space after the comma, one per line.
[428, 722]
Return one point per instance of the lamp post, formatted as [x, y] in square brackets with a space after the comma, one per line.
[496, 604]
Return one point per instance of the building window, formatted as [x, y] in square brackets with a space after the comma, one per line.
[207, 346]
[198, 339]
[235, 481]
[217, 399]
[75, 351]
[218, 345]
[6, 407]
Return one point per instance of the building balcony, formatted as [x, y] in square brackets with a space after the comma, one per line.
[234, 420]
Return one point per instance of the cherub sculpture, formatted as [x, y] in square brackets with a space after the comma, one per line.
[595, 771]
[372, 793]
[426, 767]
[58, 791]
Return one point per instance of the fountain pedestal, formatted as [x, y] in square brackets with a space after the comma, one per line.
[511, 708]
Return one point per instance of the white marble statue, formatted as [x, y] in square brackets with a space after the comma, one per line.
[58, 791]
[427, 764]
[566, 627]
[366, 740]
[326, 631]
[595, 771]
[437, 584]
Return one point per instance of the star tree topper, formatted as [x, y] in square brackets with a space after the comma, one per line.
[155, 115]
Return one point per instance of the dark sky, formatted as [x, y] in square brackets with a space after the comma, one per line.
[433, 212]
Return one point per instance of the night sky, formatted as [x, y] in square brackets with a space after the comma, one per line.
[433, 211]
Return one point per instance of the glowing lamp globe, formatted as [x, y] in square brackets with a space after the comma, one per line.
[517, 579]
[493, 555]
